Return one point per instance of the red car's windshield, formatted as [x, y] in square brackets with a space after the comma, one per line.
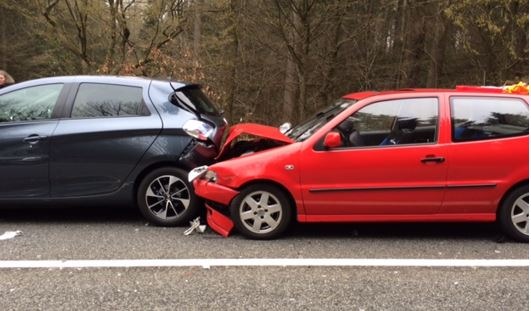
[304, 130]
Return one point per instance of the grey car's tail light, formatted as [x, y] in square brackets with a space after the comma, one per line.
[198, 129]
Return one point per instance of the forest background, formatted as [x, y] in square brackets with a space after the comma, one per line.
[271, 61]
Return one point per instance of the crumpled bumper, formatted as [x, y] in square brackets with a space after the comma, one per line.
[219, 222]
[222, 195]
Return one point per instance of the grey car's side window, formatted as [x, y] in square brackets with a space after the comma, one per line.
[95, 100]
[393, 122]
[31, 103]
[477, 118]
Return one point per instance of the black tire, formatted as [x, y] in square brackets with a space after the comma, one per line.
[167, 208]
[268, 218]
[513, 216]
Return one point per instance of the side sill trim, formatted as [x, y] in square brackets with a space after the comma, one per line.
[491, 185]
[434, 187]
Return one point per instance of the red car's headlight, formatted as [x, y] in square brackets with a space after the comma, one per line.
[202, 172]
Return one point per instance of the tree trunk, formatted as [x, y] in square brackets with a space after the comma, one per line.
[197, 30]
[400, 40]
[416, 51]
[3, 39]
[438, 47]
[302, 46]
[234, 57]
[290, 89]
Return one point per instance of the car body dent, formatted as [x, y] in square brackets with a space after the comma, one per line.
[221, 195]
[268, 164]
[215, 192]
[271, 166]
[219, 222]
[258, 130]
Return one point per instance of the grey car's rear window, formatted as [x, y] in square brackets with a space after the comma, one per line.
[95, 100]
[196, 98]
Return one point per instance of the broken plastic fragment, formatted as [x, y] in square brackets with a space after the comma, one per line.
[10, 234]
[195, 225]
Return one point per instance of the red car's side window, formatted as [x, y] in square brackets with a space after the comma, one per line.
[393, 122]
[478, 118]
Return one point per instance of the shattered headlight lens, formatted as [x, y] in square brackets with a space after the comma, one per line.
[202, 172]
[211, 176]
[197, 172]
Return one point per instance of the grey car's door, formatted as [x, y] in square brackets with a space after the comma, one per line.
[109, 130]
[26, 125]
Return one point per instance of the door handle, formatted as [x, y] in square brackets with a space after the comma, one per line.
[432, 158]
[33, 139]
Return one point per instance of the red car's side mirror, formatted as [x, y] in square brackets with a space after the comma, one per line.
[332, 140]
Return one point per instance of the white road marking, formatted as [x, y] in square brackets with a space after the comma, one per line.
[263, 262]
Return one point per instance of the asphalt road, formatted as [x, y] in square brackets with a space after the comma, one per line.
[73, 234]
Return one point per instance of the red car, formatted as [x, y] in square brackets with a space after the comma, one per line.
[428, 155]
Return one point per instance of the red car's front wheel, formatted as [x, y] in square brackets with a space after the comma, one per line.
[261, 212]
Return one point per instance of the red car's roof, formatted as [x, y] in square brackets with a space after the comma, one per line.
[514, 89]
[366, 94]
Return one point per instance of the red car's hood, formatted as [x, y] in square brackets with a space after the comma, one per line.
[258, 130]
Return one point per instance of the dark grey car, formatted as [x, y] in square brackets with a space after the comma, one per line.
[106, 140]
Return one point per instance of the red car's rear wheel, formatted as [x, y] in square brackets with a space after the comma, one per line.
[514, 214]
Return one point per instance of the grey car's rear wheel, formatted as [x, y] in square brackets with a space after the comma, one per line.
[166, 198]
[514, 214]
[261, 212]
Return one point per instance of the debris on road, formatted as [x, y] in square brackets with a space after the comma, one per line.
[195, 225]
[10, 234]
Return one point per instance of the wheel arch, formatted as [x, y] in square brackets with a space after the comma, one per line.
[152, 167]
[278, 185]
[141, 182]
[508, 192]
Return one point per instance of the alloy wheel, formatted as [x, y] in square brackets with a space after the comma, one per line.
[260, 212]
[167, 197]
[520, 213]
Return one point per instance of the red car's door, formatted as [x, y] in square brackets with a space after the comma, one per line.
[389, 164]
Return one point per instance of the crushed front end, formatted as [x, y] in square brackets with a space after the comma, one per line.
[217, 199]
[216, 184]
